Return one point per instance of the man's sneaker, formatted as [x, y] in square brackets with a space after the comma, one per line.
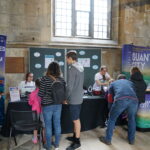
[71, 138]
[74, 146]
[131, 142]
[102, 139]
[56, 147]
[35, 140]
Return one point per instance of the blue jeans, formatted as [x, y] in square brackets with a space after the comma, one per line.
[117, 108]
[52, 115]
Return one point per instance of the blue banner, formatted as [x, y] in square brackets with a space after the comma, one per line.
[136, 56]
[143, 114]
[2, 75]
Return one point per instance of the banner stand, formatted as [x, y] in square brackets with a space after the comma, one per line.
[2, 76]
[140, 57]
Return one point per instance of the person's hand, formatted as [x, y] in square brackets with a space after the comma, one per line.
[65, 102]
[106, 83]
[111, 80]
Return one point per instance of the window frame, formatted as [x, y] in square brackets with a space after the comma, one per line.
[73, 40]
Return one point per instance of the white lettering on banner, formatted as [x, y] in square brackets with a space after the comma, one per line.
[140, 59]
[2, 48]
[1, 59]
[138, 64]
[145, 105]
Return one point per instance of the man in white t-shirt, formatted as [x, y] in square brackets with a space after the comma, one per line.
[101, 79]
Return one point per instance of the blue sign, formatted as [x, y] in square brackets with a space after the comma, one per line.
[2, 75]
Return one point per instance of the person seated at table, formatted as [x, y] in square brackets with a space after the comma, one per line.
[27, 86]
[140, 85]
[101, 81]
[35, 102]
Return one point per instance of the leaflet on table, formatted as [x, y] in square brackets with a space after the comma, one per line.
[14, 94]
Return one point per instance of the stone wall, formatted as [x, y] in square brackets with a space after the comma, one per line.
[28, 23]
[25, 20]
[134, 22]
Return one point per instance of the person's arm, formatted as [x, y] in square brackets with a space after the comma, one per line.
[70, 82]
[42, 88]
[98, 82]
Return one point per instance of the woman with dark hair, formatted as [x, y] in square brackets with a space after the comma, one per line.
[51, 109]
[28, 85]
[140, 85]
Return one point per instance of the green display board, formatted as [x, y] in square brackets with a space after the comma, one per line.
[41, 57]
[89, 58]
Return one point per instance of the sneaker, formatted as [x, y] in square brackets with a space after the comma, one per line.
[102, 139]
[131, 142]
[46, 148]
[57, 148]
[74, 146]
[70, 138]
[35, 140]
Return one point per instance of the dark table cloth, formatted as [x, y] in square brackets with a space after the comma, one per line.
[93, 114]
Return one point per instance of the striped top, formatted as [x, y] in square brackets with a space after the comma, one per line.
[45, 90]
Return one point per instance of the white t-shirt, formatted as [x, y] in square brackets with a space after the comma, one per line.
[99, 77]
[26, 87]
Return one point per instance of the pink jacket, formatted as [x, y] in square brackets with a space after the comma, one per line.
[35, 101]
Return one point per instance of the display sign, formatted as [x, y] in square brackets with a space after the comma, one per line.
[136, 56]
[85, 62]
[143, 114]
[2, 75]
[48, 60]
[14, 94]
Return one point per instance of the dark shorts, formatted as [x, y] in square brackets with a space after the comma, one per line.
[75, 111]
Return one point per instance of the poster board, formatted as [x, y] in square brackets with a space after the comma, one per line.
[41, 57]
[14, 94]
[90, 58]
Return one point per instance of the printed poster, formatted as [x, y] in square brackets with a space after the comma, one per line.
[48, 60]
[85, 62]
[14, 94]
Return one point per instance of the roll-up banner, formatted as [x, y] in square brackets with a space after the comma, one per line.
[2, 75]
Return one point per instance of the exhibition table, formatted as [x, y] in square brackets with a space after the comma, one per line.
[93, 114]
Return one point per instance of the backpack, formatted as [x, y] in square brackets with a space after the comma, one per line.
[58, 91]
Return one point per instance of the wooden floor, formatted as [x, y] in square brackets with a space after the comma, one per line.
[89, 141]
